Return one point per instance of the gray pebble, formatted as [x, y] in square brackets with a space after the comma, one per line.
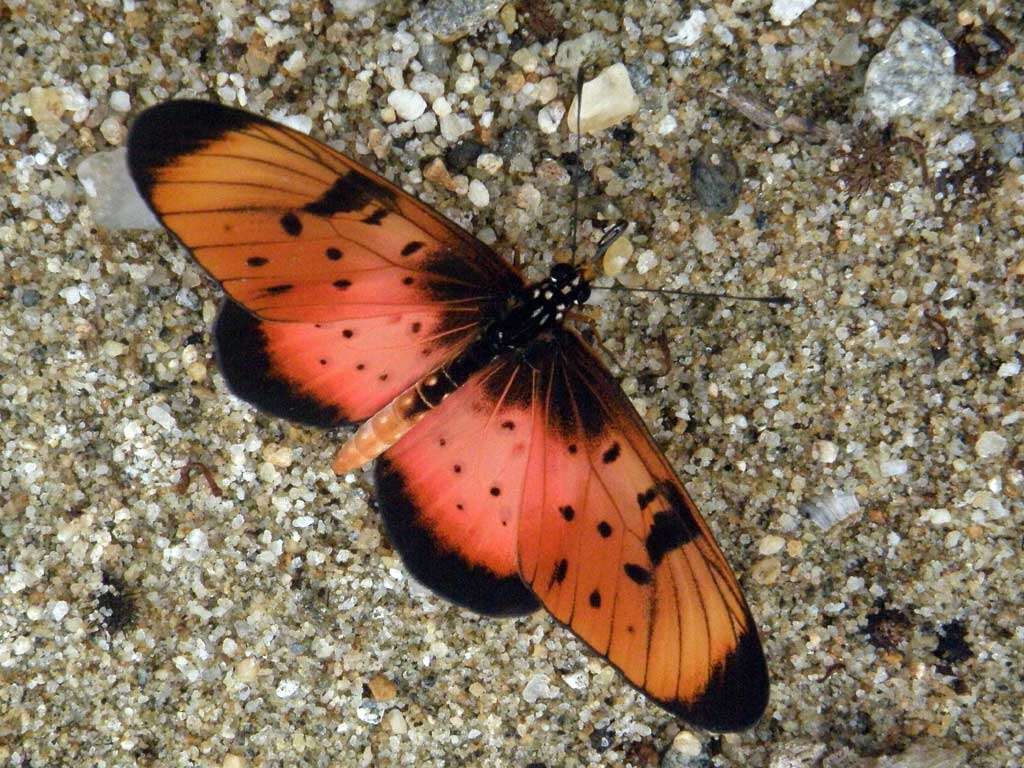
[716, 180]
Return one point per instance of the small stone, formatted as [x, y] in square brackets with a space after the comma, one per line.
[687, 744]
[111, 194]
[381, 688]
[466, 83]
[428, 84]
[646, 261]
[608, 99]
[716, 180]
[537, 687]
[961, 144]
[914, 75]
[30, 297]
[892, 468]
[847, 50]
[246, 670]
[787, 11]
[59, 610]
[478, 194]
[686, 33]
[489, 163]
[395, 721]
[1006, 370]
[352, 8]
[547, 89]
[113, 130]
[436, 173]
[766, 571]
[549, 117]
[617, 256]
[120, 101]
[827, 511]
[232, 761]
[278, 455]
[454, 125]
[286, 689]
[990, 444]
[161, 416]
[824, 451]
[704, 239]
[771, 545]
[407, 104]
[449, 20]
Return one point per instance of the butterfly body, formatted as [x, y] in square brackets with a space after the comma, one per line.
[513, 472]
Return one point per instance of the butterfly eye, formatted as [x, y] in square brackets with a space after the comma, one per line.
[562, 273]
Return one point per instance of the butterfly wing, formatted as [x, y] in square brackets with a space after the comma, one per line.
[539, 467]
[615, 549]
[451, 489]
[344, 289]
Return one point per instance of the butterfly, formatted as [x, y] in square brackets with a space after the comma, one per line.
[512, 472]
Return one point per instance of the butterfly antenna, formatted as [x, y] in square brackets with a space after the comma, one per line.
[579, 163]
[777, 300]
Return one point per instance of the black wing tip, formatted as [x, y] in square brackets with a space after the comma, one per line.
[444, 572]
[166, 131]
[738, 698]
[241, 351]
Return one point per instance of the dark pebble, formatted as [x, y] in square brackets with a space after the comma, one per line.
[30, 297]
[515, 141]
[601, 739]
[462, 155]
[716, 180]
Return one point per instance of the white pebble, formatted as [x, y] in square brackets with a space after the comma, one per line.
[232, 761]
[608, 99]
[962, 143]
[787, 11]
[466, 83]
[824, 451]
[161, 416]
[646, 261]
[286, 688]
[304, 521]
[892, 468]
[120, 101]
[687, 32]
[771, 545]
[937, 516]
[478, 194]
[990, 444]
[704, 239]
[847, 51]
[395, 721]
[577, 680]
[1006, 370]
[22, 645]
[441, 106]
[547, 89]
[687, 744]
[295, 63]
[550, 116]
[197, 540]
[407, 104]
[489, 162]
[453, 126]
[537, 688]
[59, 610]
[427, 83]
[667, 125]
[827, 511]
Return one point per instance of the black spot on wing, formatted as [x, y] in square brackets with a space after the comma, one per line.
[672, 528]
[350, 192]
[558, 575]
[611, 454]
[162, 134]
[444, 571]
[637, 573]
[290, 223]
[333, 254]
[375, 218]
[276, 290]
[595, 599]
[256, 261]
[251, 374]
[567, 512]
[645, 498]
[604, 529]
[411, 247]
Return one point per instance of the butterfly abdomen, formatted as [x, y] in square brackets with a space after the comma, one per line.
[389, 424]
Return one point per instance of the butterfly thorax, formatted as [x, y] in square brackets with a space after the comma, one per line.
[540, 306]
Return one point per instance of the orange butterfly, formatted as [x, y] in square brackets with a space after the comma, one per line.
[513, 471]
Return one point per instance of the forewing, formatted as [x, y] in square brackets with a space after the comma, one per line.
[615, 548]
[297, 233]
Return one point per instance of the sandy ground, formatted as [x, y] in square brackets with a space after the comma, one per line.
[146, 624]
